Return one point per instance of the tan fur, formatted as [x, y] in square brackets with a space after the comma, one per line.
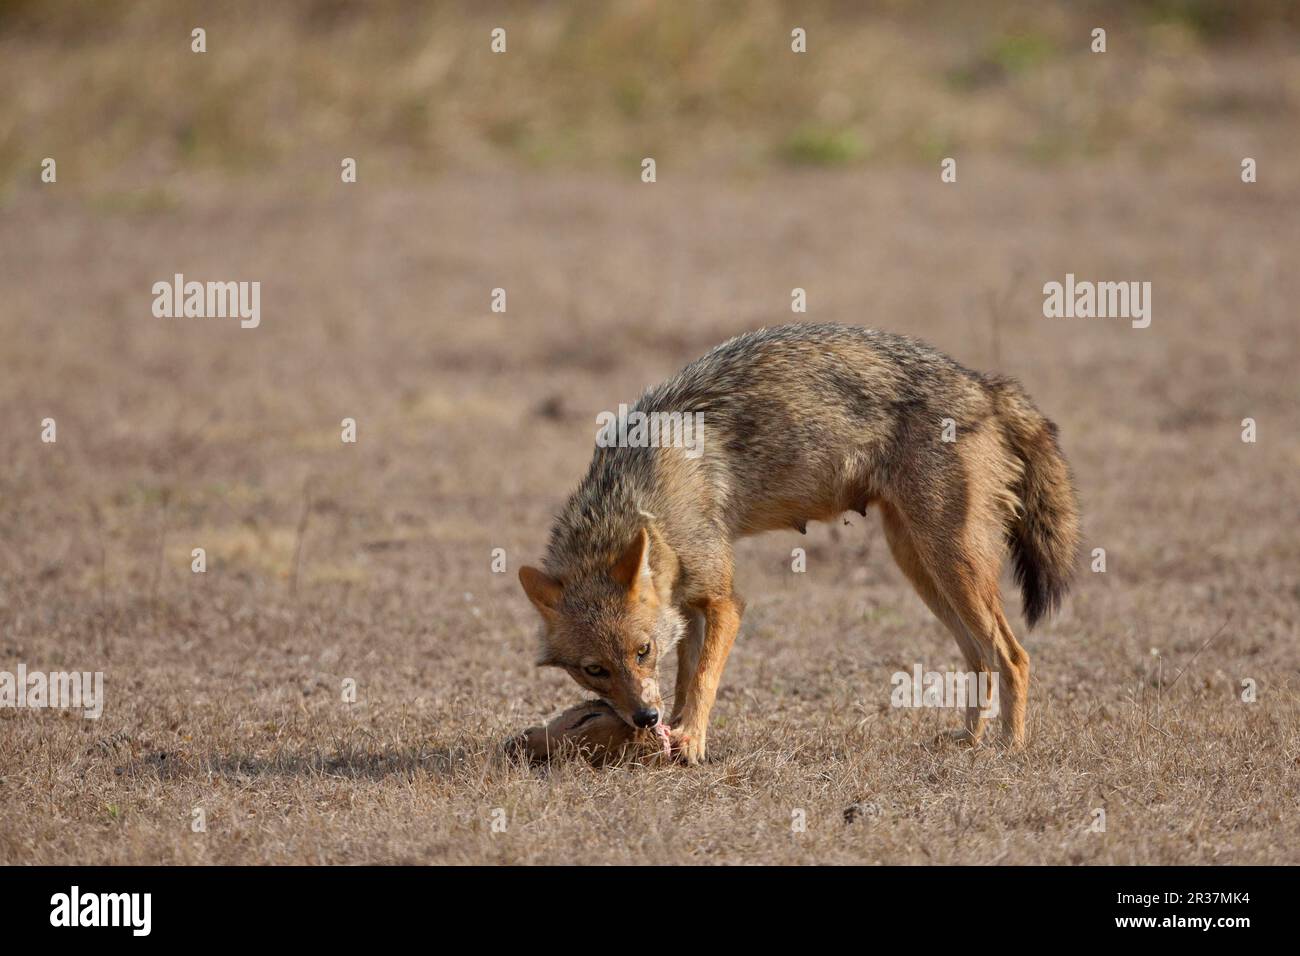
[803, 423]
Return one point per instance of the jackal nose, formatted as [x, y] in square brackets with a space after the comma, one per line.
[646, 717]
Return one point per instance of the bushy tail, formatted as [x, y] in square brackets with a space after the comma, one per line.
[1044, 536]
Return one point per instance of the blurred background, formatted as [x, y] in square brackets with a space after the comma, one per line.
[588, 84]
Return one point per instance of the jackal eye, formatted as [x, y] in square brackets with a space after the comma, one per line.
[595, 670]
[643, 650]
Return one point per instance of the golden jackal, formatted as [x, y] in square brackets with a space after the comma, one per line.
[801, 423]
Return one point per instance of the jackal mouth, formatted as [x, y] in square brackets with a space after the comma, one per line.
[609, 710]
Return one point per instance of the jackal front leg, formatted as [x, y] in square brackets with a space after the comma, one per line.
[688, 660]
[721, 624]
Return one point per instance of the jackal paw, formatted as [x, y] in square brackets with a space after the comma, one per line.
[687, 744]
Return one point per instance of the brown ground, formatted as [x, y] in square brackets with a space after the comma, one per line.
[775, 171]
[224, 689]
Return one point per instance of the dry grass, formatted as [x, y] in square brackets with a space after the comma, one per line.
[114, 93]
[223, 693]
[224, 688]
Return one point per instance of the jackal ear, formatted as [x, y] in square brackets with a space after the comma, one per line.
[542, 589]
[632, 570]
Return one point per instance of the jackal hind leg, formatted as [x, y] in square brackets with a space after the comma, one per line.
[909, 561]
[966, 575]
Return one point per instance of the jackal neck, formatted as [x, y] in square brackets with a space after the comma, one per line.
[612, 504]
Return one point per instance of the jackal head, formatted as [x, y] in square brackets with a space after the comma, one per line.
[609, 629]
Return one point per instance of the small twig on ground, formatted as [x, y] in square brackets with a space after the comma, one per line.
[1208, 642]
[162, 553]
[302, 531]
[997, 306]
[97, 519]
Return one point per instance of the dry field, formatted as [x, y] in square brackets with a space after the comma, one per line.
[372, 561]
